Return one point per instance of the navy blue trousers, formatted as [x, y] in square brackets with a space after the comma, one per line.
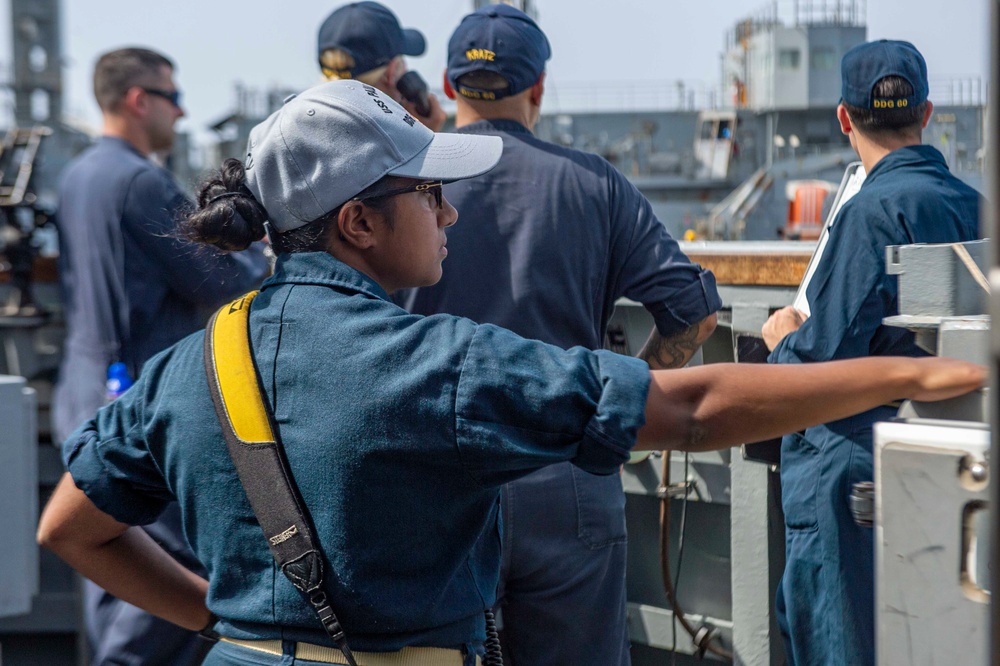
[825, 601]
[562, 580]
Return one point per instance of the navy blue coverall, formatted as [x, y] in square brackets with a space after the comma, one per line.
[546, 243]
[825, 600]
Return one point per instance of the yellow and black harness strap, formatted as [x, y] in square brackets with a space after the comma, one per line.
[254, 445]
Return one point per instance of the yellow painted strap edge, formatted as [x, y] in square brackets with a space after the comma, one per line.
[235, 372]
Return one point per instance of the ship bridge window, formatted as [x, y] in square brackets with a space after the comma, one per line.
[789, 58]
[721, 128]
[823, 58]
[38, 58]
[40, 105]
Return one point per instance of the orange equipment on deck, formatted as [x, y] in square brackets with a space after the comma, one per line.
[805, 208]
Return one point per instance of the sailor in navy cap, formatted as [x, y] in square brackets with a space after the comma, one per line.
[552, 238]
[825, 601]
[364, 41]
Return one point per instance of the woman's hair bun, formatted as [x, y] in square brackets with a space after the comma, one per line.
[227, 214]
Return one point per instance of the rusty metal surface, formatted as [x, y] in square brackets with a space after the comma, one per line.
[760, 263]
[764, 263]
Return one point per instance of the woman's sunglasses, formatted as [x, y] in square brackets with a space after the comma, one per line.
[434, 187]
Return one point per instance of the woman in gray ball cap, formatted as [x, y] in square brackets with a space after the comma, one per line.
[397, 430]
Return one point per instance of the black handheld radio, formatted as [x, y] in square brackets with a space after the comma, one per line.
[414, 89]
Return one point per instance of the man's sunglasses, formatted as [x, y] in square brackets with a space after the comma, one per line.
[434, 187]
[172, 96]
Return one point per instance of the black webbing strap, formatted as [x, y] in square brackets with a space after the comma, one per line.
[255, 447]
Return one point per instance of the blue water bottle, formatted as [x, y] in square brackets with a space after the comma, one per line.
[118, 380]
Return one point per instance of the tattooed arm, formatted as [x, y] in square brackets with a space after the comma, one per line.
[675, 351]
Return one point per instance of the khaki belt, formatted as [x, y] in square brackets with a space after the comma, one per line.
[409, 656]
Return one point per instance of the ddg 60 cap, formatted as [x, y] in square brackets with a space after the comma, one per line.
[326, 145]
[866, 64]
[370, 33]
[499, 39]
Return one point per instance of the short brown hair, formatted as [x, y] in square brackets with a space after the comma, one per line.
[882, 123]
[118, 71]
[483, 79]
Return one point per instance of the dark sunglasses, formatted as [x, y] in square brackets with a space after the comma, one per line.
[172, 96]
[433, 187]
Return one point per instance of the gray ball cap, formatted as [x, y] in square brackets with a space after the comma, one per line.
[326, 145]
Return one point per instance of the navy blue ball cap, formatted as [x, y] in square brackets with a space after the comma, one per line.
[498, 39]
[370, 33]
[867, 64]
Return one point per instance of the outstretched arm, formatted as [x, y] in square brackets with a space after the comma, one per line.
[674, 351]
[725, 404]
[123, 560]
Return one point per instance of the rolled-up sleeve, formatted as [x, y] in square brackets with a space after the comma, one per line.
[523, 404]
[688, 305]
[110, 462]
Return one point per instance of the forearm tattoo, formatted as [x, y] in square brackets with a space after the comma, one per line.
[697, 438]
[673, 351]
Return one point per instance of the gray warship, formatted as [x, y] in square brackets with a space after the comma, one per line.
[747, 171]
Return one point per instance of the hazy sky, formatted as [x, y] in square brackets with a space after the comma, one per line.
[263, 42]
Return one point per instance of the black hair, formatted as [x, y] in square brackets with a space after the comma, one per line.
[883, 123]
[118, 71]
[229, 217]
[229, 223]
